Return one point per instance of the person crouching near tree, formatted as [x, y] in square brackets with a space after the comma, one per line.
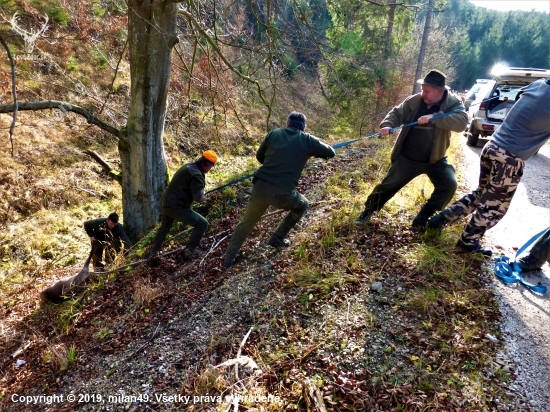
[106, 234]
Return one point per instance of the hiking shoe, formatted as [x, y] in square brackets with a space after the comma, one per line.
[153, 260]
[421, 219]
[277, 241]
[529, 263]
[191, 253]
[437, 221]
[473, 248]
[228, 262]
[363, 218]
[419, 222]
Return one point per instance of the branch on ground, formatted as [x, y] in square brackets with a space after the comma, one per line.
[106, 166]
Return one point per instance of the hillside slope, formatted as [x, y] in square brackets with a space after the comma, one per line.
[382, 318]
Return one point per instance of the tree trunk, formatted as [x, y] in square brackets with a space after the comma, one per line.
[152, 35]
[423, 45]
[389, 32]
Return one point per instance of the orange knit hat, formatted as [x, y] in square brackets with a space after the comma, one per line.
[211, 156]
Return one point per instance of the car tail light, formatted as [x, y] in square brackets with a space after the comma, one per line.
[483, 106]
[488, 127]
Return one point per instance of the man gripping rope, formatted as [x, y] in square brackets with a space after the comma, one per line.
[523, 132]
[421, 149]
[283, 155]
[186, 187]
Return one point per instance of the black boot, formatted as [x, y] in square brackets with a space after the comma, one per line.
[529, 263]
[421, 219]
[277, 241]
[437, 221]
[363, 218]
[190, 253]
[476, 248]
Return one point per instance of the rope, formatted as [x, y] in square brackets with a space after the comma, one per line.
[231, 183]
[511, 273]
[439, 116]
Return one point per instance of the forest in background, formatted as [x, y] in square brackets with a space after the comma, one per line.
[237, 70]
[358, 56]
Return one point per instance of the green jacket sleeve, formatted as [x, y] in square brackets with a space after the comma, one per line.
[320, 149]
[260, 153]
[401, 114]
[455, 122]
[121, 234]
[92, 226]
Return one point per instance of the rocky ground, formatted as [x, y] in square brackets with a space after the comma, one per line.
[526, 315]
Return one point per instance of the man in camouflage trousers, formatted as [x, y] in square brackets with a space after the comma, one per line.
[524, 131]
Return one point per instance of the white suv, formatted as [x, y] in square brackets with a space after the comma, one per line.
[472, 93]
[495, 98]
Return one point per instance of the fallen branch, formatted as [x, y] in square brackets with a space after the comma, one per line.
[214, 246]
[314, 398]
[240, 350]
[106, 166]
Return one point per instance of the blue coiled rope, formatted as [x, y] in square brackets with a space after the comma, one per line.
[343, 144]
[510, 273]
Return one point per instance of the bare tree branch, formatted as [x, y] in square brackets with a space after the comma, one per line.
[67, 107]
[213, 44]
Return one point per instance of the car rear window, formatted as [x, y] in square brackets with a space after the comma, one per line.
[509, 91]
[499, 107]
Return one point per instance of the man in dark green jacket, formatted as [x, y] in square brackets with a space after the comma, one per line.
[420, 149]
[186, 187]
[283, 155]
[106, 234]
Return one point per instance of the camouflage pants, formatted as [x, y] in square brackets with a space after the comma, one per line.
[499, 176]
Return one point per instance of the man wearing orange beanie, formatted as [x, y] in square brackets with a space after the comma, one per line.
[186, 187]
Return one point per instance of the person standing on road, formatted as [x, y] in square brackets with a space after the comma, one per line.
[186, 187]
[106, 234]
[420, 149]
[523, 132]
[283, 155]
[539, 253]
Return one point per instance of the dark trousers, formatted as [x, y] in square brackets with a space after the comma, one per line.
[110, 249]
[541, 248]
[402, 171]
[265, 194]
[187, 217]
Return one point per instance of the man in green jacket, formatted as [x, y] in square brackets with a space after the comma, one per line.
[283, 155]
[106, 234]
[186, 187]
[420, 149]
